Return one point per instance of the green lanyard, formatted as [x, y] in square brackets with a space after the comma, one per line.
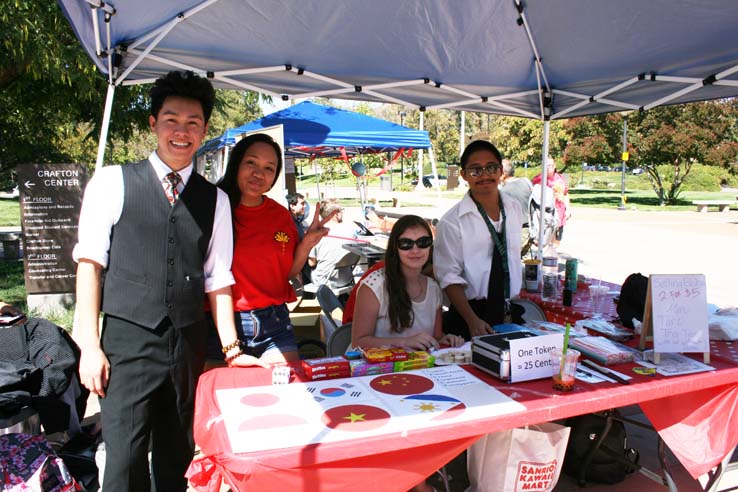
[499, 240]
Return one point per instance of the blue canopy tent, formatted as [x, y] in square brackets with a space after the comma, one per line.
[314, 129]
[543, 59]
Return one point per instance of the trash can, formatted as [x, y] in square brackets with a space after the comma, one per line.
[11, 246]
[385, 182]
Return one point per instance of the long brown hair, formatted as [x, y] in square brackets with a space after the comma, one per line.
[400, 307]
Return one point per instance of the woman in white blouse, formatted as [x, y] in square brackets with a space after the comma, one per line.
[398, 305]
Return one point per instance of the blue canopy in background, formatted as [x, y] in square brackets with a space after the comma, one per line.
[311, 128]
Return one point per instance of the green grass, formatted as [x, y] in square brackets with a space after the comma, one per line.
[13, 291]
[12, 285]
[9, 212]
[640, 199]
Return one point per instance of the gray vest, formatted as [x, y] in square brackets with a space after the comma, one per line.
[157, 250]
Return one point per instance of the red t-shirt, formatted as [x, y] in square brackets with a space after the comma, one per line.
[266, 238]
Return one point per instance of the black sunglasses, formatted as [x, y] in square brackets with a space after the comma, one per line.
[407, 244]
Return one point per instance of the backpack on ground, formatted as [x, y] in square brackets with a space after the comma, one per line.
[590, 457]
[632, 301]
[29, 464]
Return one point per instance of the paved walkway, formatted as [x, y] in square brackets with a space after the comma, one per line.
[611, 244]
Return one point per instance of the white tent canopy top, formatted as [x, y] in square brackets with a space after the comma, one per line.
[543, 59]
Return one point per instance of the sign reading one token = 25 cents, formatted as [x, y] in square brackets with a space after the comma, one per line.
[679, 304]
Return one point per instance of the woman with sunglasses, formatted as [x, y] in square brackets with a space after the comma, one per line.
[477, 257]
[398, 305]
[267, 252]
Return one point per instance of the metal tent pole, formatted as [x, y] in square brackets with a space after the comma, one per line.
[462, 133]
[420, 155]
[622, 167]
[546, 127]
[104, 128]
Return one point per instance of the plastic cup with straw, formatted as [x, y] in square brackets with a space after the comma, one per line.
[561, 381]
[564, 348]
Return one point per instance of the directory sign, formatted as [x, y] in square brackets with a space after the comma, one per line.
[50, 201]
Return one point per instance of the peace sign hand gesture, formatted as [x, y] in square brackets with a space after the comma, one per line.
[317, 229]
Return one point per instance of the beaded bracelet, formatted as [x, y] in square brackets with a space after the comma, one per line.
[233, 357]
[231, 346]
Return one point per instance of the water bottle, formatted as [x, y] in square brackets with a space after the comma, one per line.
[550, 269]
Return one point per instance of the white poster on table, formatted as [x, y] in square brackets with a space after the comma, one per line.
[281, 416]
[679, 307]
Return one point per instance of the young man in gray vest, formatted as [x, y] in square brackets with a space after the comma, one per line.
[154, 238]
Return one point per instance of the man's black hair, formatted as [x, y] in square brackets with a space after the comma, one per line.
[183, 84]
[477, 145]
[293, 198]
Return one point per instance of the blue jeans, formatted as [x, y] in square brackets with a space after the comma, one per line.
[260, 330]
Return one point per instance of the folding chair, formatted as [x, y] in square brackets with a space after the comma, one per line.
[343, 268]
[339, 341]
[328, 303]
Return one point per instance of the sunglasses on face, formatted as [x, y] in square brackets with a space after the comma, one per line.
[407, 244]
[476, 172]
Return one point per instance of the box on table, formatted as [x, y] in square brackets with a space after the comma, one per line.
[491, 353]
[326, 368]
[388, 354]
[415, 360]
[362, 367]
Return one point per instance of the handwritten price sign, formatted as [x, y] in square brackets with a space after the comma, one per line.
[680, 313]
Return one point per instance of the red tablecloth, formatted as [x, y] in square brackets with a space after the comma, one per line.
[397, 462]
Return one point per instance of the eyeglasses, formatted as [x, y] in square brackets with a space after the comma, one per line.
[406, 244]
[476, 172]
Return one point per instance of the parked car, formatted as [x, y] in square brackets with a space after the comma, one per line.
[636, 171]
[429, 181]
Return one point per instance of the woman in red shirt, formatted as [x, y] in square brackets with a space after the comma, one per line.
[267, 251]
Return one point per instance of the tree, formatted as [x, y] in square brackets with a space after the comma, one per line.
[594, 139]
[51, 93]
[53, 97]
[669, 140]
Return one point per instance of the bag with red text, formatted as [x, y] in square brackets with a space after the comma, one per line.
[524, 459]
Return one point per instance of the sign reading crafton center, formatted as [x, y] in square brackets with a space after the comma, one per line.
[50, 201]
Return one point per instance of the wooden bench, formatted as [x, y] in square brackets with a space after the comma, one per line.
[723, 205]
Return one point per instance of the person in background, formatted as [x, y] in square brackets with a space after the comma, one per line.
[560, 186]
[267, 252]
[398, 305]
[516, 187]
[477, 254]
[300, 210]
[161, 235]
[324, 256]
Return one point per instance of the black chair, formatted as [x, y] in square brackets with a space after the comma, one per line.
[328, 303]
[339, 341]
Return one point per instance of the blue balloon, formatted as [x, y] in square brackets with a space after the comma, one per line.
[358, 168]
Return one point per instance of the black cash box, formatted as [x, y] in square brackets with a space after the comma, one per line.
[491, 353]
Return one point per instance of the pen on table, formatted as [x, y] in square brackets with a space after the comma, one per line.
[598, 376]
[607, 372]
